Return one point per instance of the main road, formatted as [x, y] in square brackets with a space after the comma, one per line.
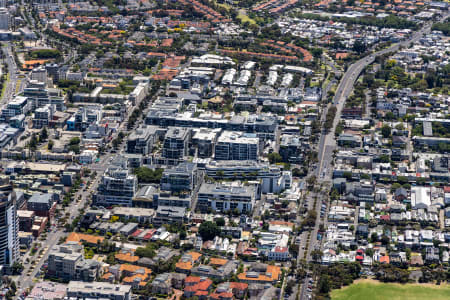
[10, 88]
[327, 142]
[54, 235]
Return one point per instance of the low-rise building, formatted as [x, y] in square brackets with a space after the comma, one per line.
[170, 215]
[227, 197]
[68, 263]
[98, 290]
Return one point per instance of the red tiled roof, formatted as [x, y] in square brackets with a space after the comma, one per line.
[279, 249]
[238, 285]
[136, 233]
[192, 279]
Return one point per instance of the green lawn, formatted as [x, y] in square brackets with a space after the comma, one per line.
[5, 83]
[245, 18]
[382, 291]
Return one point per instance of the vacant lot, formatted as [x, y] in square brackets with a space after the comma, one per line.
[373, 290]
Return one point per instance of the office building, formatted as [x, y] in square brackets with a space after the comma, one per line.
[139, 93]
[38, 96]
[292, 148]
[8, 135]
[53, 71]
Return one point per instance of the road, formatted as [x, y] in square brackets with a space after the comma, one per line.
[10, 89]
[327, 142]
[25, 281]
[73, 210]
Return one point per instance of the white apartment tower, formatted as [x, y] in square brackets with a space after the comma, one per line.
[9, 227]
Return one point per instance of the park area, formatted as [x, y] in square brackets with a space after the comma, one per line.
[374, 290]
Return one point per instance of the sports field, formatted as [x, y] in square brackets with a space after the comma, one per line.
[373, 290]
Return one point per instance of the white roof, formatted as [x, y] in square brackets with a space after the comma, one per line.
[420, 197]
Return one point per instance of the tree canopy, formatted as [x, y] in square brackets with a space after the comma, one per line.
[208, 230]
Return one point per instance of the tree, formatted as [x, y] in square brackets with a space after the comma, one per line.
[384, 158]
[402, 179]
[145, 252]
[289, 286]
[386, 131]
[324, 285]
[311, 180]
[75, 148]
[274, 158]
[374, 237]
[296, 172]
[17, 267]
[384, 240]
[365, 176]
[33, 142]
[147, 175]
[408, 253]
[44, 134]
[50, 145]
[317, 52]
[316, 254]
[359, 46]
[220, 222]
[310, 219]
[208, 230]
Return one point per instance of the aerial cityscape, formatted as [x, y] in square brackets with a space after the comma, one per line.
[224, 149]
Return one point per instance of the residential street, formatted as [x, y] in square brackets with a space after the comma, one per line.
[327, 142]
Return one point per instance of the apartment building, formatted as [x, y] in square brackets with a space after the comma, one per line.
[84, 117]
[18, 106]
[205, 139]
[9, 227]
[98, 290]
[43, 205]
[118, 186]
[43, 116]
[183, 177]
[38, 96]
[141, 140]
[176, 143]
[227, 196]
[170, 215]
[233, 145]
[68, 263]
